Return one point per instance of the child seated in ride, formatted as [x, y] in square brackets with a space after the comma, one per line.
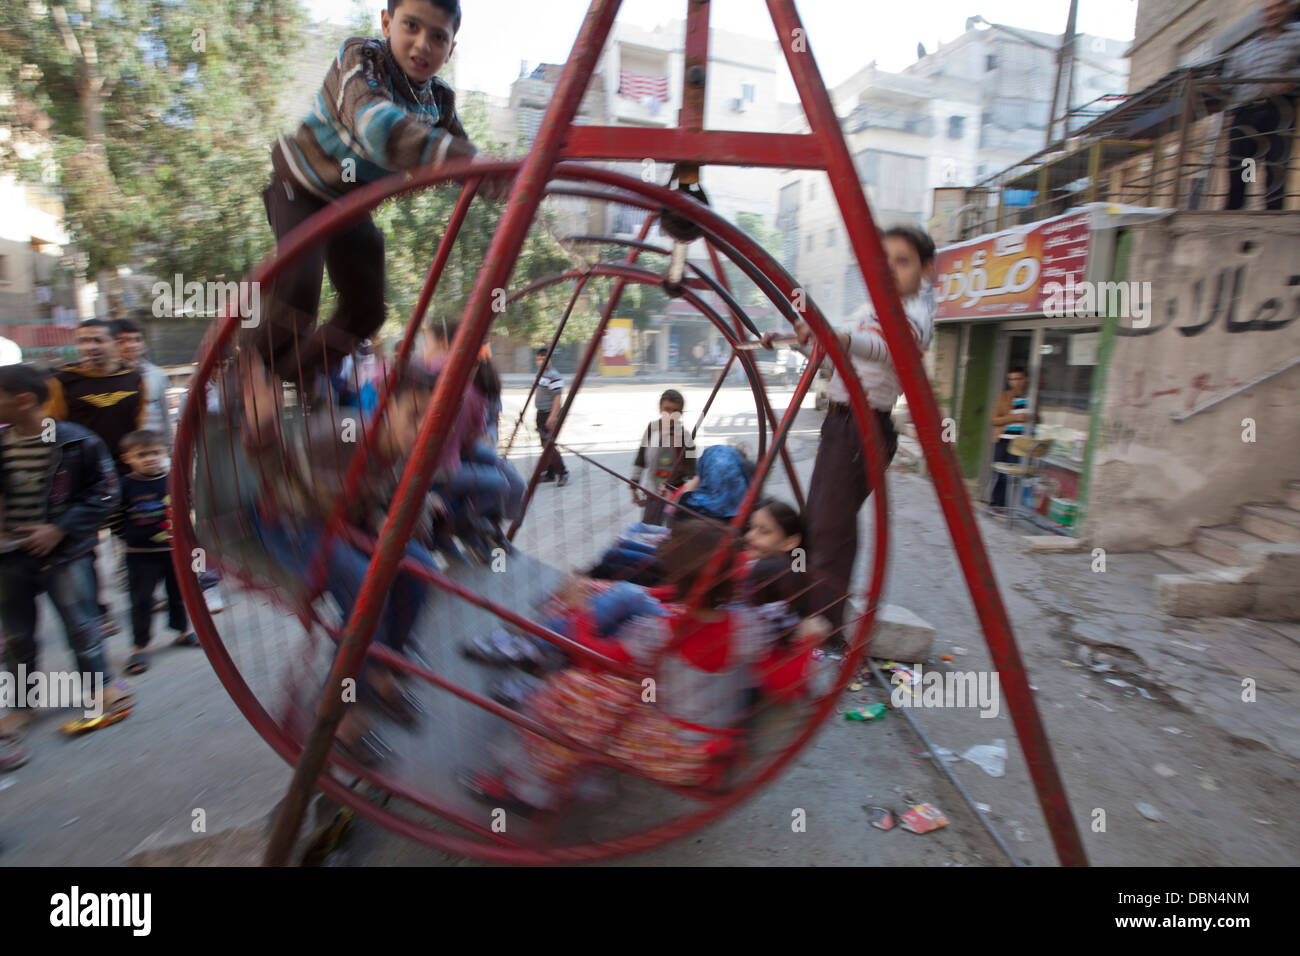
[778, 584]
[301, 475]
[678, 728]
[716, 491]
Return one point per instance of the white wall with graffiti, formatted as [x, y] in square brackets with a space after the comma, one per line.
[1226, 311]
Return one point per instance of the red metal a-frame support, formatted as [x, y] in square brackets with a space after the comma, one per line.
[691, 145]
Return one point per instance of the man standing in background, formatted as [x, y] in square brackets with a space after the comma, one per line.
[131, 349]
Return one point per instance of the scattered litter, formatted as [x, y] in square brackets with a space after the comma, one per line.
[6, 783]
[991, 758]
[869, 712]
[946, 657]
[818, 654]
[959, 650]
[983, 808]
[1109, 710]
[855, 686]
[923, 818]
[1190, 647]
[1102, 668]
[1171, 730]
[1084, 654]
[1070, 663]
[1165, 770]
[1267, 823]
[1145, 693]
[1021, 833]
[1116, 682]
[835, 657]
[883, 818]
[1207, 782]
[1032, 687]
[1148, 811]
[69, 823]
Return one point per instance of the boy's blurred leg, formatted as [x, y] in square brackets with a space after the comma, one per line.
[176, 619]
[20, 583]
[355, 261]
[837, 491]
[71, 588]
[289, 309]
[144, 573]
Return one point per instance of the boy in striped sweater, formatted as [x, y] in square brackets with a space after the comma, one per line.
[381, 109]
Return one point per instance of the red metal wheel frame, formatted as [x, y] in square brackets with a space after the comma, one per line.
[727, 237]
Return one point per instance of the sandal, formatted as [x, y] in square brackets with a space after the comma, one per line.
[188, 639]
[119, 709]
[137, 663]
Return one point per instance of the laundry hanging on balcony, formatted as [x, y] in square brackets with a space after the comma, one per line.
[649, 90]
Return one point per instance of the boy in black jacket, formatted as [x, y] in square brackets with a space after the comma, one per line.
[58, 487]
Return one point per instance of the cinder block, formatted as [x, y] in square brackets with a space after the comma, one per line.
[1046, 543]
[900, 635]
[1277, 603]
[1272, 564]
[1205, 594]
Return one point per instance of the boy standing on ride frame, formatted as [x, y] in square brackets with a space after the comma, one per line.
[839, 485]
[381, 109]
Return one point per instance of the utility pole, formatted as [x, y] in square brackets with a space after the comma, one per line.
[1064, 77]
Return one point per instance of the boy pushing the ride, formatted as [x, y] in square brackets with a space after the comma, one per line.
[839, 485]
[382, 108]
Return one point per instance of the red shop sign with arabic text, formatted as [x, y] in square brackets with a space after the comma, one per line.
[1003, 274]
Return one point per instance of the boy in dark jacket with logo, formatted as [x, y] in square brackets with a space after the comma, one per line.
[58, 487]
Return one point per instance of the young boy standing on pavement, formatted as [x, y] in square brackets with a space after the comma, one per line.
[673, 452]
[58, 487]
[549, 395]
[381, 109]
[147, 528]
[839, 483]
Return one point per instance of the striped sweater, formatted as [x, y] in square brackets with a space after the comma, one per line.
[369, 121]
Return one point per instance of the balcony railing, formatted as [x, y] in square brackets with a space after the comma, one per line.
[1174, 145]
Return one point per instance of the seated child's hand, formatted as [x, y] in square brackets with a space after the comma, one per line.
[812, 631]
[691, 485]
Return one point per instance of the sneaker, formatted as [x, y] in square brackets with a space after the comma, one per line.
[213, 599]
[562, 480]
[546, 478]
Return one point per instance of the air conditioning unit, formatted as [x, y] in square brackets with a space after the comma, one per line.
[738, 105]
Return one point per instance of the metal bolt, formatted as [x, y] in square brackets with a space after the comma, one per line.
[695, 76]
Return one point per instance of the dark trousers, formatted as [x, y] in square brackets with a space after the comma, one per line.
[287, 336]
[144, 569]
[839, 487]
[1001, 453]
[1261, 131]
[71, 588]
[552, 464]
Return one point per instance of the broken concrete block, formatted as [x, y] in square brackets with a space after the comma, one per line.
[1276, 602]
[900, 635]
[1205, 593]
[1272, 564]
[1051, 543]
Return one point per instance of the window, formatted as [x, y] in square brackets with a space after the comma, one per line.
[4, 268]
[811, 240]
[898, 181]
[747, 92]
[812, 189]
[830, 237]
[990, 62]
[955, 126]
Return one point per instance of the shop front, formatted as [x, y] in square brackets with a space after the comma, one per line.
[1025, 299]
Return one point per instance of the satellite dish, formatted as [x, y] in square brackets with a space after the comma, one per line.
[10, 353]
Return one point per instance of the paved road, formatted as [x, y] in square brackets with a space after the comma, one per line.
[1219, 784]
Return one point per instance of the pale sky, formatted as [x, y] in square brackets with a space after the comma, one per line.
[844, 35]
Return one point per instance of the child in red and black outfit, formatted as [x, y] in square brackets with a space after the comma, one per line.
[147, 529]
[673, 453]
